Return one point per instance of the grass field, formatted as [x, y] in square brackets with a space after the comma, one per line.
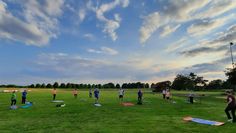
[81, 116]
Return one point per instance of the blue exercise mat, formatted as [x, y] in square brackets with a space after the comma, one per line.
[27, 105]
[202, 121]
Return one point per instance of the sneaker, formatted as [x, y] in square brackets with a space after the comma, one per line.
[230, 120]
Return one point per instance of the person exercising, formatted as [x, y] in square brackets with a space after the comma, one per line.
[96, 95]
[90, 93]
[121, 94]
[164, 94]
[54, 93]
[140, 96]
[231, 106]
[75, 93]
[168, 94]
[13, 98]
[24, 93]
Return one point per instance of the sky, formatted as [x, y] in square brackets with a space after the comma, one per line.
[101, 41]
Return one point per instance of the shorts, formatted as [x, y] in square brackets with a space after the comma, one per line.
[167, 98]
[120, 96]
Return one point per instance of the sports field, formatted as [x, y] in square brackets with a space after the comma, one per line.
[81, 116]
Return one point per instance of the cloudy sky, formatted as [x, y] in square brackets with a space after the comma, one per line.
[99, 41]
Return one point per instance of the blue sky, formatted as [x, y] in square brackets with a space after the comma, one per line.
[100, 41]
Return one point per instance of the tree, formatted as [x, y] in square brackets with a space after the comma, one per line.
[68, 85]
[31, 86]
[124, 85]
[146, 85]
[48, 86]
[43, 85]
[215, 84]
[99, 86]
[117, 86]
[63, 85]
[186, 82]
[182, 82]
[109, 85]
[231, 74]
[55, 85]
[89, 86]
[37, 86]
[161, 86]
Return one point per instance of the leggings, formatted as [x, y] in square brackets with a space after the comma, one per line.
[54, 96]
[13, 102]
[23, 100]
[232, 110]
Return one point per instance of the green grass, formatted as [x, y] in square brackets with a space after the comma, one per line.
[81, 116]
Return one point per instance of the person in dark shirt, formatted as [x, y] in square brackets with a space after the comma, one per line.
[24, 93]
[191, 96]
[96, 95]
[230, 107]
[140, 96]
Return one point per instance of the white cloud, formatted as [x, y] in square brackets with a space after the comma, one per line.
[89, 36]
[38, 26]
[94, 51]
[167, 30]
[3, 6]
[104, 50]
[206, 26]
[82, 14]
[216, 8]
[176, 12]
[109, 51]
[110, 25]
[181, 11]
[177, 45]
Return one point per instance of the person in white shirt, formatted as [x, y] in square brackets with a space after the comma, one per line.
[121, 94]
[164, 94]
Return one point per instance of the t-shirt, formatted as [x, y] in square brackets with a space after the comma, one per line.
[75, 92]
[54, 91]
[140, 94]
[13, 96]
[164, 92]
[96, 93]
[167, 94]
[24, 94]
[121, 92]
[232, 103]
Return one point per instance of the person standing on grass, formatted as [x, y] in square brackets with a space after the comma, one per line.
[121, 94]
[24, 93]
[13, 98]
[75, 93]
[231, 106]
[90, 93]
[96, 95]
[191, 96]
[140, 96]
[54, 93]
[164, 93]
[168, 94]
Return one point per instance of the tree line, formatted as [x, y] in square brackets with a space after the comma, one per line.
[193, 82]
[82, 86]
[189, 81]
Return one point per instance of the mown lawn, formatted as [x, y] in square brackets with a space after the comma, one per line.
[81, 116]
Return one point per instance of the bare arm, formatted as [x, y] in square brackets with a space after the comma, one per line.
[230, 100]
